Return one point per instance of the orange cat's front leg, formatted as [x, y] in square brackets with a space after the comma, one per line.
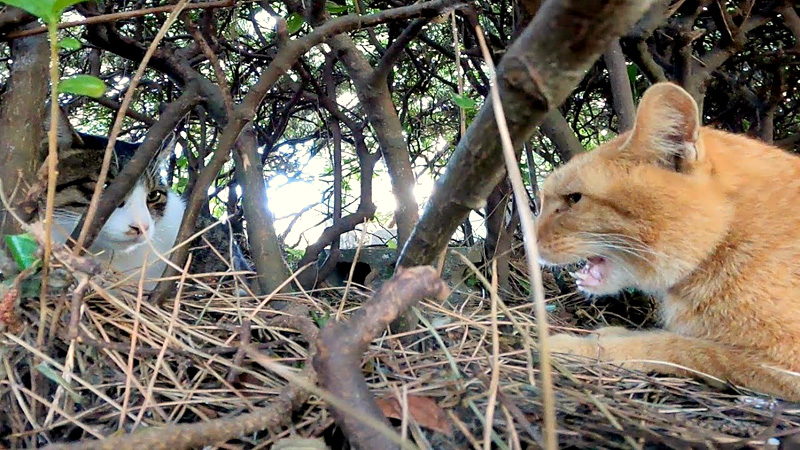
[670, 353]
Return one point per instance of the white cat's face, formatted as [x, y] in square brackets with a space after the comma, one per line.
[130, 226]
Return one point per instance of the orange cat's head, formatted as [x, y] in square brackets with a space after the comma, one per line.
[644, 209]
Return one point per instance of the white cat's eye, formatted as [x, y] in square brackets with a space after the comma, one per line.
[154, 196]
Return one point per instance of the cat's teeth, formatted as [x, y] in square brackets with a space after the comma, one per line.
[590, 275]
[596, 272]
[578, 275]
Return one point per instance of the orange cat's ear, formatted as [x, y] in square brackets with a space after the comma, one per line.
[667, 128]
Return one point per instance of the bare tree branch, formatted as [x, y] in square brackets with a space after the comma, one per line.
[536, 74]
[792, 22]
[621, 93]
[22, 109]
[556, 128]
[262, 236]
[394, 51]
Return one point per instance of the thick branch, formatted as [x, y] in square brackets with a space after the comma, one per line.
[536, 74]
[792, 22]
[263, 240]
[12, 18]
[22, 108]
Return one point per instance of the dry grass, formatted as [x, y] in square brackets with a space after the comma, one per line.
[189, 365]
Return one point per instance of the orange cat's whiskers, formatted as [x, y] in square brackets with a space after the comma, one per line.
[621, 242]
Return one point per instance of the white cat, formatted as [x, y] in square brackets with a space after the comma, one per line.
[143, 226]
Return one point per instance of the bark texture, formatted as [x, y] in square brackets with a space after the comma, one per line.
[23, 107]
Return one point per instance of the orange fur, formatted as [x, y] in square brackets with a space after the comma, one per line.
[708, 222]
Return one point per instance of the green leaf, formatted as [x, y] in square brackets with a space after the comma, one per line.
[51, 374]
[60, 5]
[39, 8]
[333, 8]
[294, 22]
[319, 319]
[463, 101]
[70, 43]
[23, 249]
[87, 85]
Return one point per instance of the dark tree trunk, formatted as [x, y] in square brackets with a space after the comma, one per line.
[21, 110]
[498, 244]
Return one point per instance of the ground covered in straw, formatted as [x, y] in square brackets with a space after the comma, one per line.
[134, 365]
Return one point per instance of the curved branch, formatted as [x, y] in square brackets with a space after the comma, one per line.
[394, 51]
[341, 346]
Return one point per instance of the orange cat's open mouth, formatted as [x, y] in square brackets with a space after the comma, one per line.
[592, 273]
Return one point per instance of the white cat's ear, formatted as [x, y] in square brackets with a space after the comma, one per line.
[67, 137]
[667, 127]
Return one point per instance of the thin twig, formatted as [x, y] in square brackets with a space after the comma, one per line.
[531, 252]
[105, 18]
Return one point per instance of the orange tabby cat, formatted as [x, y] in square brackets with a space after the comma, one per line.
[707, 221]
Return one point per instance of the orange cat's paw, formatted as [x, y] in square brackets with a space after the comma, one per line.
[613, 332]
[574, 345]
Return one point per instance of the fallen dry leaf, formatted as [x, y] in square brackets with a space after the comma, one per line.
[423, 410]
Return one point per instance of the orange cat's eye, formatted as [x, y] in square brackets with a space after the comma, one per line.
[573, 198]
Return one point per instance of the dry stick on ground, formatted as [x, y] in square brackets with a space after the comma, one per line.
[341, 346]
[245, 112]
[196, 435]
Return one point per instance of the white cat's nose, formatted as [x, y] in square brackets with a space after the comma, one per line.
[138, 229]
